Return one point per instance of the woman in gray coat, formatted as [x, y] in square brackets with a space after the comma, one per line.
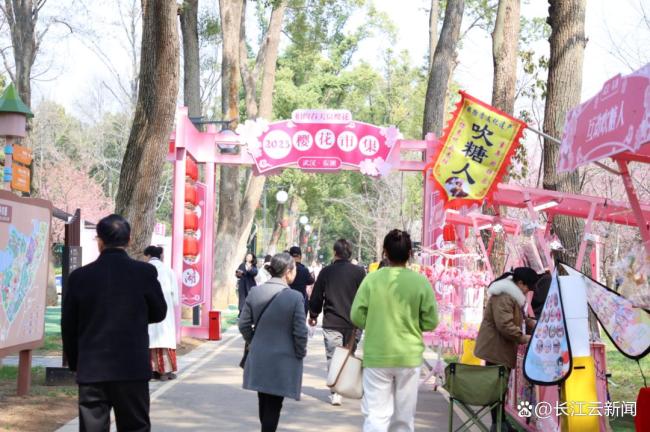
[273, 367]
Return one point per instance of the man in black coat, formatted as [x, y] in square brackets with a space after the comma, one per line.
[303, 277]
[333, 294]
[106, 311]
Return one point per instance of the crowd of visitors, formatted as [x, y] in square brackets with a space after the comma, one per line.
[117, 350]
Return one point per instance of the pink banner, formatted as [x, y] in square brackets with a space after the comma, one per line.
[193, 271]
[320, 140]
[614, 121]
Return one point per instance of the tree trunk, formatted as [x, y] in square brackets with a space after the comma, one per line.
[277, 229]
[236, 212]
[154, 116]
[22, 17]
[567, 20]
[433, 29]
[504, 55]
[441, 67]
[191, 62]
[227, 254]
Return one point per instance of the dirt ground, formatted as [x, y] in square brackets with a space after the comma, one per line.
[47, 408]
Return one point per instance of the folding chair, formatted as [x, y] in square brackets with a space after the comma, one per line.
[472, 386]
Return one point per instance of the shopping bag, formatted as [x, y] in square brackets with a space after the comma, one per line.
[345, 376]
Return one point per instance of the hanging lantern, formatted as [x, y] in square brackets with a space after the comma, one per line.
[191, 199]
[191, 169]
[190, 246]
[449, 233]
[284, 223]
[190, 221]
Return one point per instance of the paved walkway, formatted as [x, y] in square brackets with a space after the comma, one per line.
[207, 396]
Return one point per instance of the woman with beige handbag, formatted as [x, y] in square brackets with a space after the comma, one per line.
[394, 305]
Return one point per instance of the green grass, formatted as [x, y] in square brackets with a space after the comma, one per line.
[9, 374]
[622, 424]
[624, 383]
[626, 379]
[53, 320]
[228, 319]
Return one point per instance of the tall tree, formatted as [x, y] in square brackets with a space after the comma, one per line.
[144, 158]
[504, 55]
[441, 67]
[191, 61]
[567, 21]
[505, 37]
[237, 209]
[22, 16]
[433, 29]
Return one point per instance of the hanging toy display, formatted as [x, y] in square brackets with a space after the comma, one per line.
[633, 275]
[459, 289]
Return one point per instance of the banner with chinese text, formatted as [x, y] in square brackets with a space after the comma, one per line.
[477, 146]
[320, 141]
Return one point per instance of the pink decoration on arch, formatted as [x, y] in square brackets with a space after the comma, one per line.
[320, 140]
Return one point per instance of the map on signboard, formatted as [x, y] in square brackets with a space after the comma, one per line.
[24, 255]
[18, 265]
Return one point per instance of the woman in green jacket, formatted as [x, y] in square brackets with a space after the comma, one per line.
[394, 305]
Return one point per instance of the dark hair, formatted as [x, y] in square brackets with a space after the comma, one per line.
[280, 264]
[295, 251]
[342, 249]
[153, 251]
[398, 246]
[114, 231]
[253, 261]
[526, 275]
[267, 259]
[383, 263]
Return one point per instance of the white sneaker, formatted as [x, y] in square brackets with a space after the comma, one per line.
[336, 399]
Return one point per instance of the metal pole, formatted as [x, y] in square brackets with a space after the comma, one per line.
[636, 206]
[547, 136]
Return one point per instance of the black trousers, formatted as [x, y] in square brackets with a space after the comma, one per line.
[270, 407]
[129, 400]
[495, 411]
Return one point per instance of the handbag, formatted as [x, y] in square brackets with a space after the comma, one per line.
[242, 363]
[345, 376]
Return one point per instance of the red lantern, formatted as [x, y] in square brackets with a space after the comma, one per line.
[449, 233]
[190, 246]
[284, 223]
[190, 195]
[190, 221]
[191, 169]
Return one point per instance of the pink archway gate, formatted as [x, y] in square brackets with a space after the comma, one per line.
[325, 141]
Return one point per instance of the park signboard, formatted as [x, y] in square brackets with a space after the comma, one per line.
[320, 140]
[24, 258]
[614, 121]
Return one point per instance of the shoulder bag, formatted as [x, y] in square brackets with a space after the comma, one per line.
[242, 363]
[345, 376]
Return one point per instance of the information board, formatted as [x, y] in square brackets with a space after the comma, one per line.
[24, 257]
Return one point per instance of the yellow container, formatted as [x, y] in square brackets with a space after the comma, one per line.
[579, 394]
[468, 356]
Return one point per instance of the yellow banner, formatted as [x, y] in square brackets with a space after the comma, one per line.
[477, 146]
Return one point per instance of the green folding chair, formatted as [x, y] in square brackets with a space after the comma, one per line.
[472, 387]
